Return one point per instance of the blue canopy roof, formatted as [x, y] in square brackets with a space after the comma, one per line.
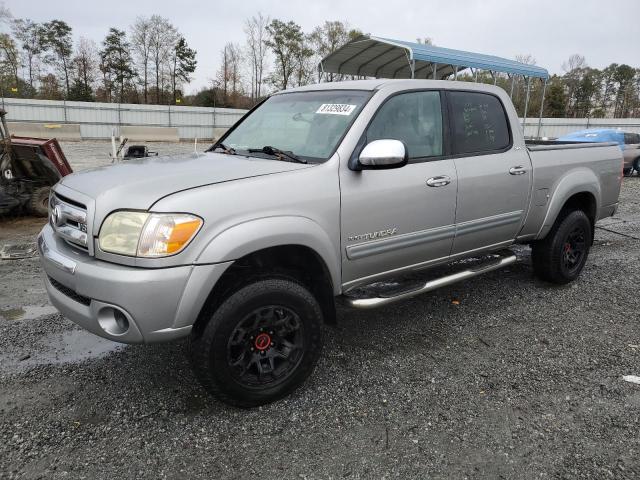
[387, 58]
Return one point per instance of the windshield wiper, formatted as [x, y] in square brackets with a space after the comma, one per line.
[276, 152]
[227, 150]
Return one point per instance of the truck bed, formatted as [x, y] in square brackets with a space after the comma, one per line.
[596, 164]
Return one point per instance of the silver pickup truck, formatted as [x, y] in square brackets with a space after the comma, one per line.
[364, 192]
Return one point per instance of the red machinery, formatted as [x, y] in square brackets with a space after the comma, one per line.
[29, 167]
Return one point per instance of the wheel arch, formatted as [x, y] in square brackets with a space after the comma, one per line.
[255, 235]
[294, 261]
[577, 190]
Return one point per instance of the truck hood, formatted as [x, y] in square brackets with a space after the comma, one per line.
[138, 184]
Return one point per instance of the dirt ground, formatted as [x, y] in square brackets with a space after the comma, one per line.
[502, 376]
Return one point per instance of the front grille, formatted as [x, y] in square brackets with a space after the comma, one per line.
[69, 292]
[68, 219]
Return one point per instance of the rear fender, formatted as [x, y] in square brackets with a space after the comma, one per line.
[575, 181]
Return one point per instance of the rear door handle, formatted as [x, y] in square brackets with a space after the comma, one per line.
[517, 170]
[439, 181]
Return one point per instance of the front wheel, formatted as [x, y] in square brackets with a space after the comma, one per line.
[260, 344]
[561, 255]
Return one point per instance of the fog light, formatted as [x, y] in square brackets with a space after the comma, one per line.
[113, 321]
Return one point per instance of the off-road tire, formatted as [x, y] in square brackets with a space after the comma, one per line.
[548, 255]
[39, 202]
[210, 348]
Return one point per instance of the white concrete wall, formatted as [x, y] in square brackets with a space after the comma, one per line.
[100, 120]
[61, 131]
[556, 127]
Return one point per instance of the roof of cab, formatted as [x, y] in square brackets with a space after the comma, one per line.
[379, 84]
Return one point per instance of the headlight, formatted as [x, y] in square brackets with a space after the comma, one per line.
[148, 234]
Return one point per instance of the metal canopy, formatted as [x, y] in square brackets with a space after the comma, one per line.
[371, 56]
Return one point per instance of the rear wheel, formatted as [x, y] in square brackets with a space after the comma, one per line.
[561, 255]
[260, 344]
[636, 165]
[39, 202]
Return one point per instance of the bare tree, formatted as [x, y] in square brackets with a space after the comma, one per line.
[31, 38]
[163, 38]
[575, 61]
[9, 59]
[256, 32]
[58, 39]
[229, 77]
[574, 69]
[85, 69]
[141, 43]
[328, 38]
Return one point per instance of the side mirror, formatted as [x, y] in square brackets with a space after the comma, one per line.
[381, 154]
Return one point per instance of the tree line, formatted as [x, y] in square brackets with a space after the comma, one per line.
[276, 55]
[152, 63]
[149, 63]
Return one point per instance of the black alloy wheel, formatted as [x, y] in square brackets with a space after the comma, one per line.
[259, 343]
[265, 346]
[574, 249]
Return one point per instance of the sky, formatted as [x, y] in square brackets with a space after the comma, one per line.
[549, 30]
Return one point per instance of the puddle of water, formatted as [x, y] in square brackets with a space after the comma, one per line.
[72, 346]
[30, 312]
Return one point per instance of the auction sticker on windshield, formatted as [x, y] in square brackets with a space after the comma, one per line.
[336, 109]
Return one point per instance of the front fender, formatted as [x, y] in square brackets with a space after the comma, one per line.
[577, 180]
[258, 234]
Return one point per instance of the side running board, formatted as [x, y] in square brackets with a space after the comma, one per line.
[497, 261]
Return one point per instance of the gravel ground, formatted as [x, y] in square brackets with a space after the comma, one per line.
[498, 377]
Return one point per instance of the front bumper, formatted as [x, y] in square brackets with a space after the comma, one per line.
[122, 303]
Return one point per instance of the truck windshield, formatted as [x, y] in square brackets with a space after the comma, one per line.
[307, 124]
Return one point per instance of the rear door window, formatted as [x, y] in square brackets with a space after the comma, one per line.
[479, 123]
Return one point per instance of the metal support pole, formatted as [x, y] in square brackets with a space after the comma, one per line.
[320, 72]
[544, 90]
[412, 66]
[476, 75]
[169, 112]
[495, 78]
[513, 79]
[64, 107]
[526, 106]
[214, 114]
[435, 71]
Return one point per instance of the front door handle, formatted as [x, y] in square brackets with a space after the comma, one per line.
[517, 170]
[439, 181]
